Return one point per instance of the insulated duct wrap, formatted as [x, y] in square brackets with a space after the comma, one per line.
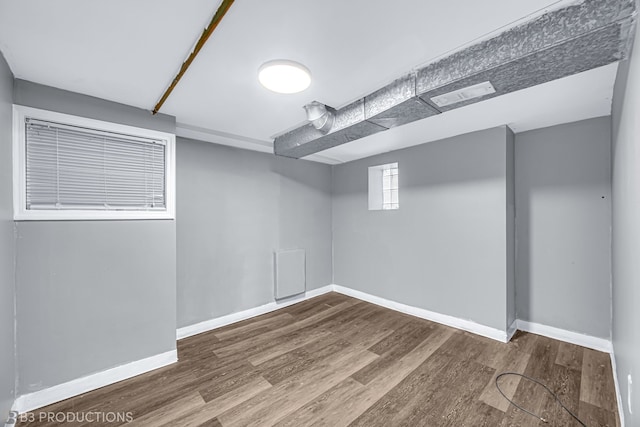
[560, 43]
[393, 105]
[396, 104]
[584, 53]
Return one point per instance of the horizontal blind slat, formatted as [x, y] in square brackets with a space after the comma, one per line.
[77, 168]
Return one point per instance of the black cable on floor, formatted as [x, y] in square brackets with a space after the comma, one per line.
[555, 396]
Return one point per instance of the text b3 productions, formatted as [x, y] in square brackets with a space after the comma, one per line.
[64, 418]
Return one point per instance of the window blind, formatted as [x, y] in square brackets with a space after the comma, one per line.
[69, 167]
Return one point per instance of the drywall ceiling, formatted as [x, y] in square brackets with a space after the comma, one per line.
[128, 52]
[124, 51]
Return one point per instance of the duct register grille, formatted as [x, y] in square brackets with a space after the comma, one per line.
[464, 94]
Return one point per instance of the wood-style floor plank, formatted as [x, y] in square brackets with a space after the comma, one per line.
[570, 356]
[356, 398]
[174, 410]
[327, 409]
[594, 416]
[281, 335]
[566, 385]
[507, 361]
[528, 394]
[269, 322]
[420, 399]
[291, 343]
[337, 361]
[270, 406]
[210, 410]
[393, 347]
[597, 381]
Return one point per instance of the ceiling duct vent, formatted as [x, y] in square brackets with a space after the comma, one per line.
[320, 116]
[464, 94]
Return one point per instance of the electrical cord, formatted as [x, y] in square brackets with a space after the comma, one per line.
[555, 396]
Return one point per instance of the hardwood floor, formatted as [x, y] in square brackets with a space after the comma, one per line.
[337, 361]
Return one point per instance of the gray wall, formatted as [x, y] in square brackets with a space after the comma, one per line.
[235, 208]
[7, 256]
[626, 230]
[445, 248]
[91, 295]
[563, 222]
[511, 229]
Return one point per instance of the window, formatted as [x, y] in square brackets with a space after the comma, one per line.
[383, 187]
[72, 168]
[390, 187]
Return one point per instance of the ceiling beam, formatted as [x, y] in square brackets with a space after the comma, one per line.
[222, 10]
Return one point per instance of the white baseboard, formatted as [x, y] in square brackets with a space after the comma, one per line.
[614, 368]
[467, 325]
[218, 322]
[48, 396]
[595, 343]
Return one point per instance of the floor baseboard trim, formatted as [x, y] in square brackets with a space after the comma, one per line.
[467, 325]
[614, 368]
[208, 325]
[594, 343]
[48, 396]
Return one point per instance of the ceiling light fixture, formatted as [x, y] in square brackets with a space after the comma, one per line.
[283, 76]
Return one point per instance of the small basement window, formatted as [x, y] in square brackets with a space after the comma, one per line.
[73, 168]
[383, 187]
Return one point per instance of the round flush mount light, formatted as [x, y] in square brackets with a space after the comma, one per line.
[283, 76]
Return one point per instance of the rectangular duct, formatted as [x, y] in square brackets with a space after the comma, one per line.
[565, 59]
[566, 41]
[393, 105]
[543, 33]
[396, 104]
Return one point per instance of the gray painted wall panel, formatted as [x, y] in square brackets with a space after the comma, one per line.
[92, 295]
[626, 231]
[445, 248]
[7, 245]
[304, 217]
[563, 226]
[289, 273]
[234, 209]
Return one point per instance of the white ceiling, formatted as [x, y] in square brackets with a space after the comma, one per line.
[128, 51]
[120, 50]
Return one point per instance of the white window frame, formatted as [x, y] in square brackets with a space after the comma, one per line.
[20, 211]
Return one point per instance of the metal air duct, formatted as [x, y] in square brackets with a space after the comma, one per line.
[584, 35]
[320, 116]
